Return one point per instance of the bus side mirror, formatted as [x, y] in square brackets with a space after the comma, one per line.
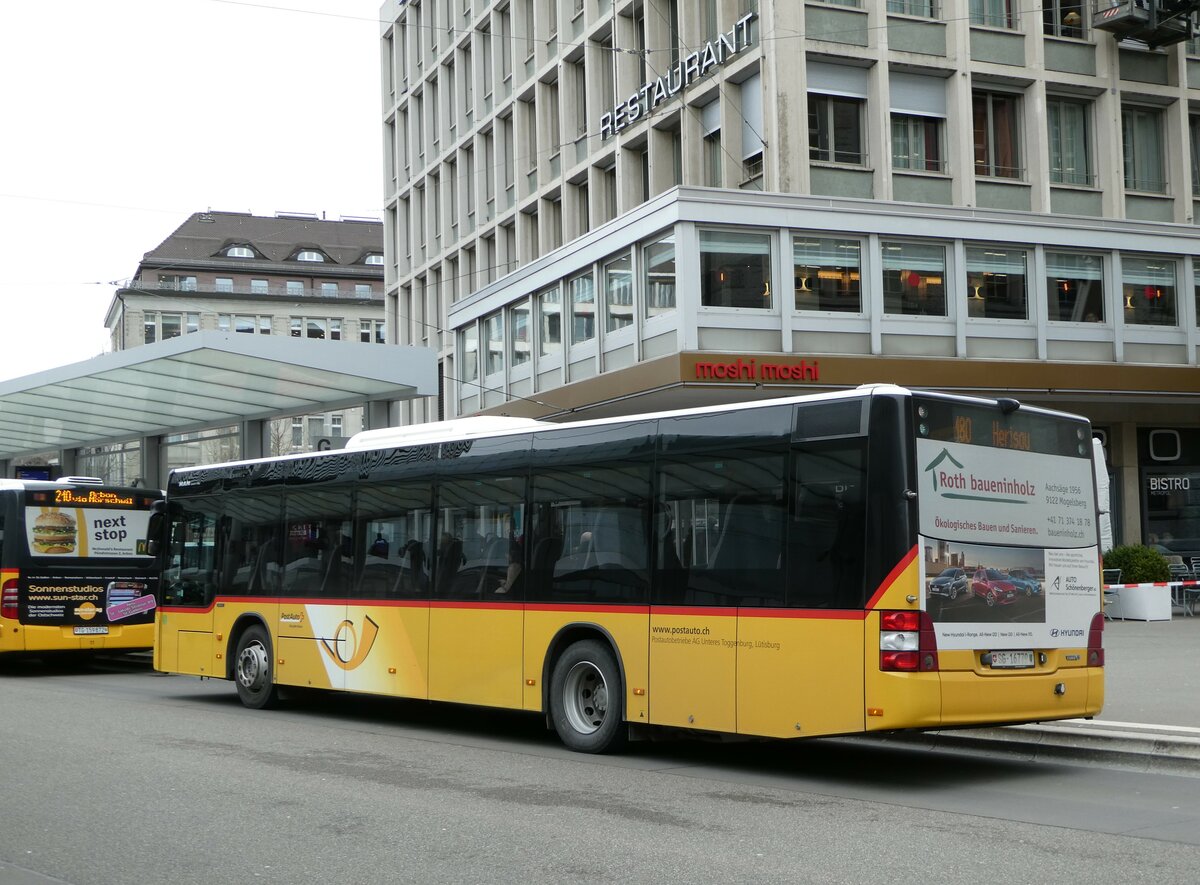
[152, 546]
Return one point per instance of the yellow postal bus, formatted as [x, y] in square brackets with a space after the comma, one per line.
[755, 569]
[75, 571]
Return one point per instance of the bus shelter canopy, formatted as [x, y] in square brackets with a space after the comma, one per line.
[202, 380]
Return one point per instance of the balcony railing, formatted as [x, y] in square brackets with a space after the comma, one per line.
[346, 292]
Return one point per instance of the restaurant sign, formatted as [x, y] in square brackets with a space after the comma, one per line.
[681, 75]
[760, 372]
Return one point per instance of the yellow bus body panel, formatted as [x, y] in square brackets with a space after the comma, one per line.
[798, 675]
[475, 654]
[693, 668]
[628, 628]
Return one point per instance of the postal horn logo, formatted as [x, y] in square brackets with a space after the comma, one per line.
[358, 650]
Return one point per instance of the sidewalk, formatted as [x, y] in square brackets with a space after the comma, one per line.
[1151, 715]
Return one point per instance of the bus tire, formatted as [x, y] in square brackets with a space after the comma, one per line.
[252, 670]
[586, 698]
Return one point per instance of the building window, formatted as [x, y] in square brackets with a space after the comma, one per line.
[1194, 133]
[618, 293]
[1070, 151]
[917, 143]
[1148, 290]
[1075, 286]
[919, 8]
[997, 146]
[247, 325]
[161, 326]
[259, 287]
[550, 321]
[493, 327]
[518, 324]
[372, 331]
[735, 269]
[827, 274]
[374, 258]
[1142, 144]
[583, 308]
[1064, 18]
[362, 290]
[309, 255]
[295, 288]
[658, 260]
[316, 327]
[468, 355]
[1196, 288]
[914, 278]
[835, 129]
[176, 282]
[239, 252]
[993, 13]
[223, 284]
[297, 433]
[329, 290]
[714, 159]
[996, 283]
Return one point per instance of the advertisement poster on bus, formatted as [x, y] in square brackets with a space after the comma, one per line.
[1010, 557]
[90, 600]
[86, 532]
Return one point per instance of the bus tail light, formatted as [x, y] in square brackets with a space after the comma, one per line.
[8, 599]
[1095, 656]
[907, 642]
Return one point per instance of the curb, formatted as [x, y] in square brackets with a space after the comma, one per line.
[1073, 741]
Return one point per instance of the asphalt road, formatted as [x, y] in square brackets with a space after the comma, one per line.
[115, 774]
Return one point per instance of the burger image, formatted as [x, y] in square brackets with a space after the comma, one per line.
[54, 532]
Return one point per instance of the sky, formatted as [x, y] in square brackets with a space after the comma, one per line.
[120, 119]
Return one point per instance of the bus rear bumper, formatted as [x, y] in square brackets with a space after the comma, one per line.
[971, 699]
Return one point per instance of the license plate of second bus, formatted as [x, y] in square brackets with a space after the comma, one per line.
[86, 631]
[1012, 660]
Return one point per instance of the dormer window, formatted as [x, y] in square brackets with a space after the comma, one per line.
[239, 252]
[373, 258]
[309, 255]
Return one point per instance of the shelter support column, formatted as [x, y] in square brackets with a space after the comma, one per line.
[154, 474]
[378, 414]
[255, 442]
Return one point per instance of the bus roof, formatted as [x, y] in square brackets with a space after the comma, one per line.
[497, 425]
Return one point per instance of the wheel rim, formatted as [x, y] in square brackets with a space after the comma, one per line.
[253, 667]
[991, 600]
[585, 698]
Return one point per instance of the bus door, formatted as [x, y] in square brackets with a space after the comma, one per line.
[800, 666]
[385, 636]
[476, 617]
[190, 583]
[314, 643]
[693, 615]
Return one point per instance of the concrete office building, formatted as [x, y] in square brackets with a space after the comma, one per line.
[597, 207]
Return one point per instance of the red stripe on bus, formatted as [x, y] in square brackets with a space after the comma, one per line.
[707, 611]
[892, 576]
[816, 614]
[609, 608]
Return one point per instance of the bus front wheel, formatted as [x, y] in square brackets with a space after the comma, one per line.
[585, 698]
[252, 670]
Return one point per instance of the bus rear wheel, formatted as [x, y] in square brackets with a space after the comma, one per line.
[585, 698]
[252, 670]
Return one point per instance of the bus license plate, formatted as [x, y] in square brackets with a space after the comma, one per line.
[88, 631]
[1012, 660]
